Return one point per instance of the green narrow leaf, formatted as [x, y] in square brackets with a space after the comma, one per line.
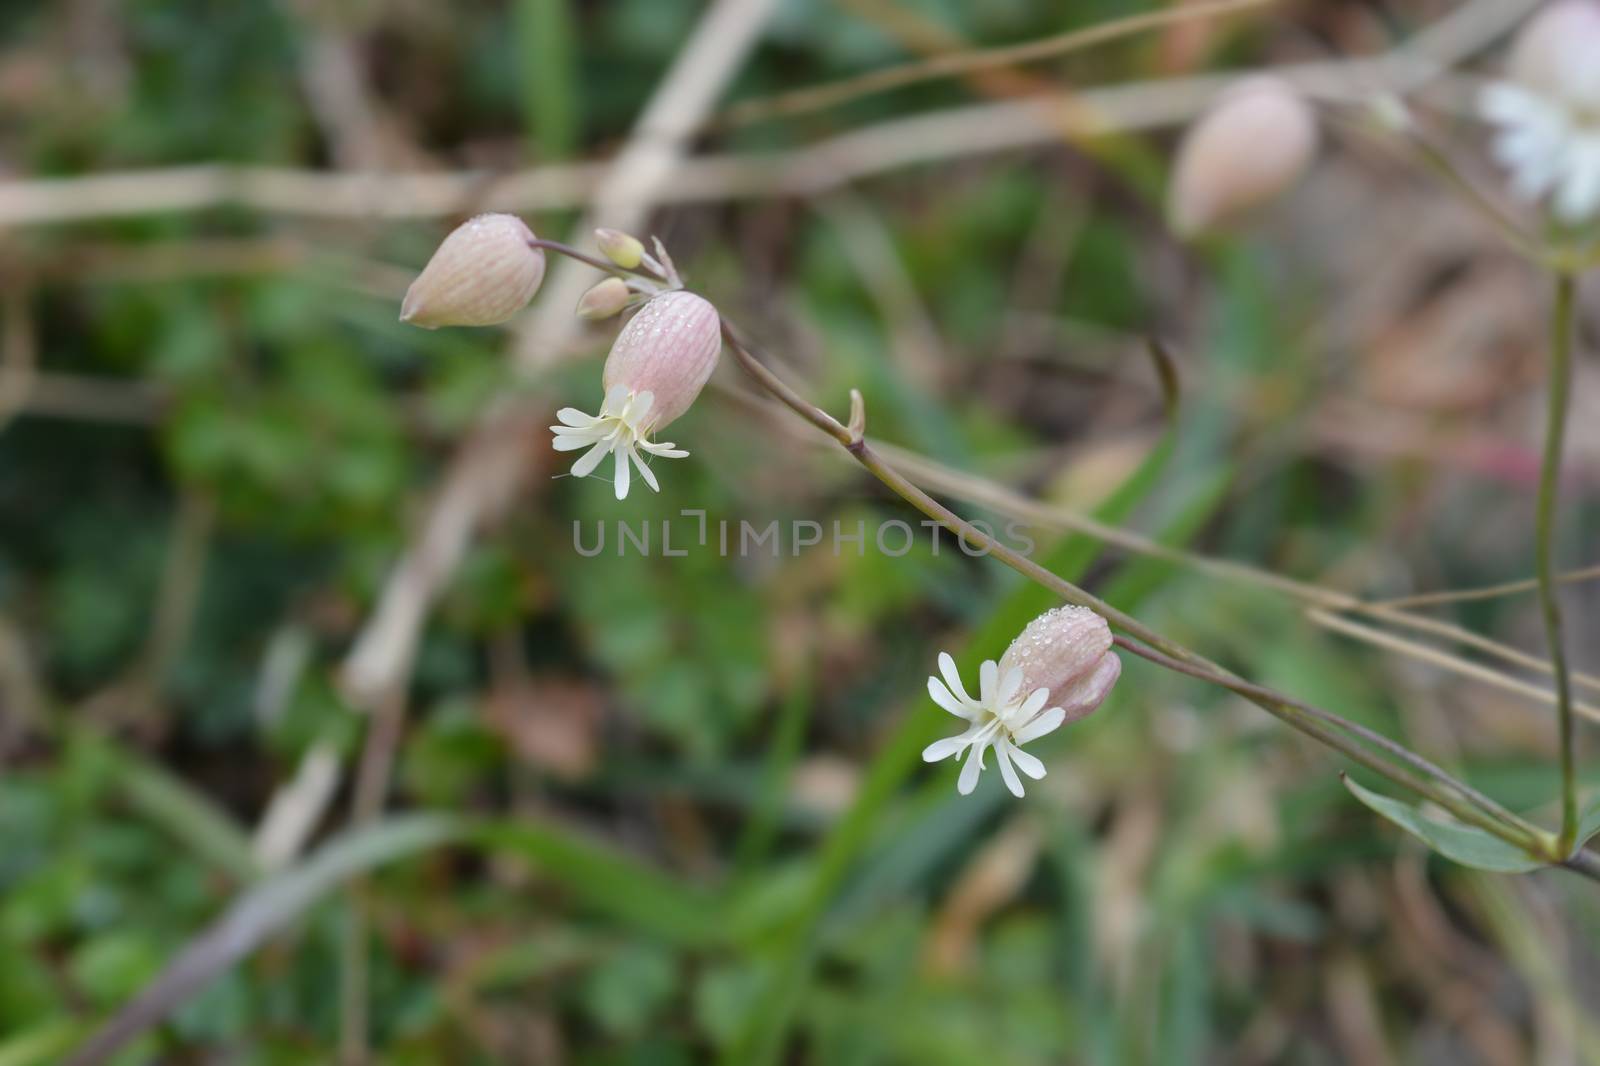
[190, 816]
[787, 739]
[546, 46]
[600, 876]
[1167, 374]
[40, 1045]
[609, 880]
[1589, 824]
[1462, 844]
[256, 915]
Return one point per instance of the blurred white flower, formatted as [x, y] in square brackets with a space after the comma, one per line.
[1548, 110]
[623, 427]
[1065, 651]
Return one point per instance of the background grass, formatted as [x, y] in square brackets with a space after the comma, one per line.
[670, 810]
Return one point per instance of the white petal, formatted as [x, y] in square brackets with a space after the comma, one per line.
[623, 472]
[1510, 104]
[952, 677]
[571, 416]
[1031, 705]
[1027, 763]
[665, 451]
[1532, 179]
[1010, 682]
[943, 749]
[616, 400]
[971, 769]
[1579, 193]
[1007, 771]
[1526, 147]
[943, 698]
[644, 471]
[988, 680]
[570, 442]
[591, 458]
[642, 402]
[1047, 722]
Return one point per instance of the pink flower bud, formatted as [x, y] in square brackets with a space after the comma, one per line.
[482, 274]
[1066, 650]
[1557, 53]
[668, 349]
[605, 299]
[1253, 144]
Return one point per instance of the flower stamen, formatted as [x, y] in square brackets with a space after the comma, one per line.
[622, 428]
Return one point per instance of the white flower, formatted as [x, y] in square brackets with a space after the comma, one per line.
[1065, 653]
[623, 427]
[1548, 148]
[1548, 110]
[1002, 718]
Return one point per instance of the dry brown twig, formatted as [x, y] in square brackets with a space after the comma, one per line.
[972, 60]
[806, 171]
[19, 353]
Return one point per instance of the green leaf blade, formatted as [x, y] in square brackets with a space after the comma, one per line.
[1461, 844]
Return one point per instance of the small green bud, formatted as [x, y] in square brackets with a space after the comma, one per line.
[604, 300]
[620, 248]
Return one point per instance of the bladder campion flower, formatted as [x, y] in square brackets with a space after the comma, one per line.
[1063, 658]
[658, 365]
[482, 273]
[1252, 145]
[1548, 110]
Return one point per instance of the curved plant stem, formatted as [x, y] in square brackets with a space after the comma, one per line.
[1562, 325]
[1349, 738]
[1485, 592]
[1356, 742]
[832, 94]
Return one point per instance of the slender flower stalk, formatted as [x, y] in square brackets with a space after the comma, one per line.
[1415, 772]
[1356, 742]
[1561, 342]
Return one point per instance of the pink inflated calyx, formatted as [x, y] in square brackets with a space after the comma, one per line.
[484, 272]
[1067, 651]
[669, 350]
[1250, 147]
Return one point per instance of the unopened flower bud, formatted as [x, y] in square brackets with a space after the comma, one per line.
[607, 298]
[1066, 650]
[622, 249]
[668, 349]
[1251, 146]
[483, 273]
[1557, 53]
